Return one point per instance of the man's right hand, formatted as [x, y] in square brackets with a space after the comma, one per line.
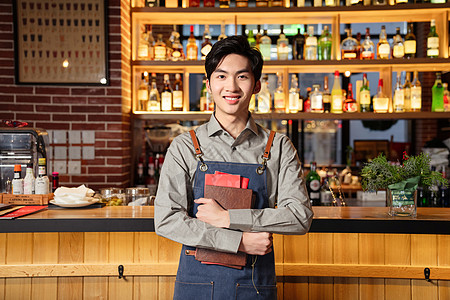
[256, 243]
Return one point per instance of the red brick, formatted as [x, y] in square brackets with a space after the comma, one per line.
[6, 80]
[115, 65]
[33, 117]
[7, 71]
[86, 179]
[53, 90]
[88, 126]
[114, 29]
[108, 153]
[111, 91]
[16, 89]
[7, 54]
[118, 144]
[100, 144]
[105, 117]
[113, 109]
[116, 127]
[122, 178]
[88, 91]
[16, 107]
[53, 126]
[6, 45]
[52, 108]
[104, 100]
[32, 99]
[7, 116]
[116, 161]
[104, 170]
[7, 36]
[108, 135]
[88, 109]
[6, 27]
[70, 100]
[69, 117]
[7, 98]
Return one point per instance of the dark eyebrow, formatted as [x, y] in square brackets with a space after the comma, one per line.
[238, 72]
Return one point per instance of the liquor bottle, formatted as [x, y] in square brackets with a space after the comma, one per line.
[317, 3]
[258, 36]
[407, 91]
[252, 103]
[294, 95]
[276, 3]
[191, 47]
[166, 95]
[154, 100]
[364, 95]
[349, 46]
[265, 46]
[422, 197]
[298, 45]
[367, 47]
[140, 179]
[42, 183]
[324, 47]
[222, 32]
[358, 45]
[206, 44]
[399, 95]
[416, 93]
[194, 3]
[313, 185]
[177, 93]
[264, 96]
[326, 96]
[311, 45]
[446, 97]
[251, 39]
[330, 2]
[262, 3]
[160, 50]
[241, 3]
[206, 102]
[380, 100]
[29, 180]
[410, 42]
[433, 41]
[17, 182]
[143, 93]
[279, 101]
[55, 181]
[282, 45]
[336, 95]
[383, 47]
[437, 92]
[379, 2]
[350, 104]
[401, 1]
[398, 47]
[209, 3]
[143, 47]
[307, 102]
[177, 48]
[224, 3]
[316, 98]
[152, 3]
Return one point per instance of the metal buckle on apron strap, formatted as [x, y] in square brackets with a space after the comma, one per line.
[198, 151]
[260, 169]
[266, 156]
[203, 166]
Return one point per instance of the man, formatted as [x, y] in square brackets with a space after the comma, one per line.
[231, 142]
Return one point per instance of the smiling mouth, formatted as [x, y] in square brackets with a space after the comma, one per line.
[231, 99]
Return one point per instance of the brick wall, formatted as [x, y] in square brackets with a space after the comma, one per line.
[70, 111]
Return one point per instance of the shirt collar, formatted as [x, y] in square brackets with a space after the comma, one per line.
[214, 126]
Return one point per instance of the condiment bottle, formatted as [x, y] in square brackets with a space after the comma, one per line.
[29, 181]
[42, 185]
[17, 182]
[55, 181]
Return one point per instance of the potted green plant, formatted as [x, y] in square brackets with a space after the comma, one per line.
[400, 180]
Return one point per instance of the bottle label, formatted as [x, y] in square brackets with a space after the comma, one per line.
[17, 186]
[416, 98]
[311, 41]
[166, 101]
[143, 95]
[367, 54]
[41, 170]
[42, 185]
[192, 53]
[399, 51]
[293, 101]
[326, 98]
[330, 3]
[383, 50]
[176, 54]
[380, 105]
[177, 99]
[153, 105]
[399, 99]
[205, 50]
[336, 103]
[364, 97]
[279, 100]
[316, 103]
[314, 185]
[410, 47]
[433, 42]
[433, 52]
[352, 107]
[143, 51]
[160, 53]
[349, 55]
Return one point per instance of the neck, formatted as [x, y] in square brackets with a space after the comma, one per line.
[233, 124]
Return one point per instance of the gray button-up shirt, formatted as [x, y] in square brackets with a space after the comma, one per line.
[289, 212]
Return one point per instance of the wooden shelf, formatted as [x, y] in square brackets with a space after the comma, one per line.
[204, 116]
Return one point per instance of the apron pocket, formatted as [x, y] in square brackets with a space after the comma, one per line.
[194, 291]
[248, 291]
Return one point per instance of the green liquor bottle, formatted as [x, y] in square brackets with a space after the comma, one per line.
[313, 185]
[437, 92]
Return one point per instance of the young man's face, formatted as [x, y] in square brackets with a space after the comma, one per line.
[232, 85]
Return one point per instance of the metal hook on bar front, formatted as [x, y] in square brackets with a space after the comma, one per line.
[121, 272]
[427, 272]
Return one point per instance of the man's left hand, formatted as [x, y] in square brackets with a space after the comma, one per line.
[209, 211]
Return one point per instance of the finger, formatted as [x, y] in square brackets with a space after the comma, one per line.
[202, 200]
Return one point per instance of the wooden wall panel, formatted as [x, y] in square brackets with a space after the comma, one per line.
[45, 251]
[397, 252]
[296, 250]
[146, 251]
[18, 251]
[423, 253]
[443, 260]
[2, 261]
[296, 287]
[169, 251]
[96, 250]
[346, 251]
[121, 251]
[371, 251]
[71, 250]
[278, 242]
[320, 245]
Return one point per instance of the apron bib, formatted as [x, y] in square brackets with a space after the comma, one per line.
[255, 280]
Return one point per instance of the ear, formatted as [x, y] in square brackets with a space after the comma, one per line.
[257, 87]
[208, 87]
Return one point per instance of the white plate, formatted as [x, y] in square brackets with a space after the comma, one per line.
[78, 204]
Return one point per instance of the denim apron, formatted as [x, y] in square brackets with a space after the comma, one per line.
[257, 279]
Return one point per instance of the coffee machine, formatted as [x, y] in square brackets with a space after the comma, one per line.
[22, 146]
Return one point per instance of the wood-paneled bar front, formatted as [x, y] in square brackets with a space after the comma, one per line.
[350, 253]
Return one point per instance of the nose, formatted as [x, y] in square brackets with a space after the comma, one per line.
[231, 85]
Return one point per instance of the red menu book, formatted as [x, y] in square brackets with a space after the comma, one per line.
[23, 211]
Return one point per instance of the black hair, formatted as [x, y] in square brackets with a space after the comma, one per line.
[234, 45]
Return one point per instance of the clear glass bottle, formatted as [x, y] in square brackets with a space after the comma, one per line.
[383, 47]
[324, 47]
[330, 2]
[350, 104]
[142, 94]
[222, 32]
[349, 46]
[151, 43]
[279, 99]
[398, 47]
[206, 102]
[177, 93]
[282, 45]
[143, 47]
[336, 94]
[367, 47]
[326, 96]
[166, 95]
[224, 3]
[437, 92]
[177, 48]
[160, 49]
[191, 47]
[258, 36]
[407, 91]
[264, 96]
[416, 93]
[251, 38]
[399, 95]
[154, 100]
[311, 45]
[294, 95]
[410, 42]
[206, 44]
[316, 98]
[364, 95]
[29, 181]
[298, 45]
[42, 183]
[265, 46]
[433, 41]
[380, 100]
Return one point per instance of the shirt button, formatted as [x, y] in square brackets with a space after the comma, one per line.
[233, 148]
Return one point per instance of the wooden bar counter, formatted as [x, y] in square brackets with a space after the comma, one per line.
[350, 253]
